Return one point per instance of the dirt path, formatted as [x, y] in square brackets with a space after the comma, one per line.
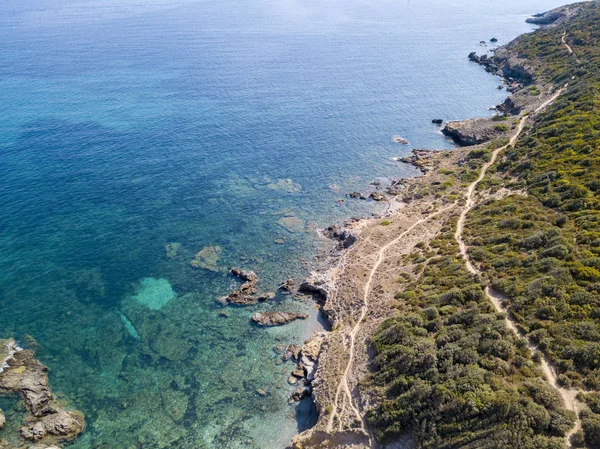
[343, 384]
[564, 41]
[568, 396]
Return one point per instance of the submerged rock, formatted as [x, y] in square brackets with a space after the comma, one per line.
[292, 224]
[172, 249]
[437, 121]
[207, 258]
[277, 318]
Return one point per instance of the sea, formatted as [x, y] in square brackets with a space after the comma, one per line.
[137, 136]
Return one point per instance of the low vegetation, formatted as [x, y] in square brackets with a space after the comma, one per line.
[447, 369]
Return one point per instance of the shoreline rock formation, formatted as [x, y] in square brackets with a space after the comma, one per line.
[277, 318]
[47, 422]
[246, 293]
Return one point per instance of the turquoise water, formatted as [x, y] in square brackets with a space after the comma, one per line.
[127, 126]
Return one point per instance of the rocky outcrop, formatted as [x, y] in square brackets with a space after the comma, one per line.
[307, 363]
[424, 160]
[378, 196]
[316, 284]
[277, 318]
[247, 292]
[46, 422]
[547, 18]
[346, 237]
[473, 131]
[287, 285]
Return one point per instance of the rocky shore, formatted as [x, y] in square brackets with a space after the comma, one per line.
[356, 279]
[47, 423]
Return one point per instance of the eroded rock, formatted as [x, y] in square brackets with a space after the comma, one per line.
[277, 318]
[46, 421]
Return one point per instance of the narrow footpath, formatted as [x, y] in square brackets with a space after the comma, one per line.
[568, 395]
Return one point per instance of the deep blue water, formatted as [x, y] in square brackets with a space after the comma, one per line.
[126, 126]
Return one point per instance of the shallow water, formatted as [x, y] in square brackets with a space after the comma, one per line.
[127, 126]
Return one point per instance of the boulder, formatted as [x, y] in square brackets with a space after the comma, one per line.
[277, 318]
[377, 196]
[400, 140]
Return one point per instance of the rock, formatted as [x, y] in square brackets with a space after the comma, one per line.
[345, 236]
[277, 318]
[265, 296]
[246, 293]
[292, 380]
[472, 132]
[287, 285]
[400, 140]
[207, 258]
[546, 18]
[46, 421]
[377, 196]
[437, 121]
[172, 249]
[63, 425]
[297, 373]
[224, 314]
[493, 40]
[261, 392]
[315, 284]
[2, 419]
[244, 275]
[508, 106]
[292, 352]
[473, 57]
[300, 393]
[422, 159]
[356, 195]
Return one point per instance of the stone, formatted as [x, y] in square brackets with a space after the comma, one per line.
[400, 140]
[207, 258]
[46, 421]
[377, 196]
[277, 318]
[287, 285]
[437, 121]
[2, 419]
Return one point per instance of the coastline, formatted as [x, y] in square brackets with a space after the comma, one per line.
[356, 281]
